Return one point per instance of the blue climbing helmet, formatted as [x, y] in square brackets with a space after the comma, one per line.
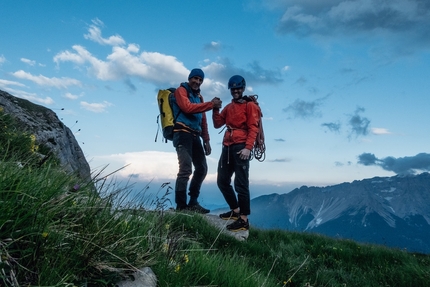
[236, 82]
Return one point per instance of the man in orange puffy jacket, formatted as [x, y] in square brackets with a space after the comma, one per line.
[241, 118]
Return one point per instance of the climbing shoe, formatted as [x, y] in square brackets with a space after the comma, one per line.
[229, 215]
[238, 225]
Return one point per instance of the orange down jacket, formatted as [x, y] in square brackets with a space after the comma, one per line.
[241, 119]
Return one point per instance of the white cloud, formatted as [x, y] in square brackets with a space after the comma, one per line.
[147, 165]
[29, 96]
[213, 89]
[29, 62]
[5, 83]
[95, 34]
[70, 96]
[67, 56]
[35, 98]
[45, 81]
[213, 46]
[95, 107]
[153, 67]
[125, 62]
[2, 59]
[380, 131]
[98, 22]
[133, 48]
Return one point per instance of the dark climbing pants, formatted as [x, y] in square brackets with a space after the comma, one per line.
[229, 164]
[190, 152]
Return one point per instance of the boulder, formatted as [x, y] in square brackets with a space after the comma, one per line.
[48, 130]
[143, 277]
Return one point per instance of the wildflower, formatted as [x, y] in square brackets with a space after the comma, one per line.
[33, 146]
[177, 268]
[167, 226]
[45, 234]
[165, 247]
[186, 259]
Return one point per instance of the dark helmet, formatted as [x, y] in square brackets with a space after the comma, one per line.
[236, 82]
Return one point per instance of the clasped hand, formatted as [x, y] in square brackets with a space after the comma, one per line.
[217, 103]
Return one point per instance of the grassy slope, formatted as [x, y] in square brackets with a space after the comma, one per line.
[55, 231]
[51, 236]
[296, 259]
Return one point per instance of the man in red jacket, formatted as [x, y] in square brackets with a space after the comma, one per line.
[191, 124]
[241, 118]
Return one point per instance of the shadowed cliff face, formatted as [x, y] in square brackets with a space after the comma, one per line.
[49, 131]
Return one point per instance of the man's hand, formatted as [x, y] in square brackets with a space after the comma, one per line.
[207, 147]
[217, 103]
[244, 153]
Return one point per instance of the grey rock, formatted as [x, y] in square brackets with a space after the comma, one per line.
[44, 124]
[143, 277]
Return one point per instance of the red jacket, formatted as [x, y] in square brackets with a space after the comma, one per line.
[187, 107]
[241, 119]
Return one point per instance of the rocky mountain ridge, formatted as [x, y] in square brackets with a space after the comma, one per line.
[392, 211]
[48, 130]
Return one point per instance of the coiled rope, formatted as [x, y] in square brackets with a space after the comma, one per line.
[259, 150]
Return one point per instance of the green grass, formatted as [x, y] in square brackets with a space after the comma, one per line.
[53, 235]
[56, 230]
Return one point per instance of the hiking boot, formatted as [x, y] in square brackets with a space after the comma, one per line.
[181, 208]
[238, 225]
[229, 215]
[198, 208]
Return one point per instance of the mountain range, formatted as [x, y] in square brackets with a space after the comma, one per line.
[391, 211]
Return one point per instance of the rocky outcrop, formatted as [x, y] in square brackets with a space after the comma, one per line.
[49, 131]
[143, 277]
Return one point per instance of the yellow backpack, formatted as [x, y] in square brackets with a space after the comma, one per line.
[166, 113]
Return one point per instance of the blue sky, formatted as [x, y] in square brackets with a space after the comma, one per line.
[343, 85]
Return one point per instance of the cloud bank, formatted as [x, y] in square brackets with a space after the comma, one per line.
[402, 165]
[402, 24]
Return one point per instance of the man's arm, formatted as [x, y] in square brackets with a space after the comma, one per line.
[181, 95]
[218, 117]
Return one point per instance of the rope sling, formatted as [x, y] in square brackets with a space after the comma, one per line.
[259, 149]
